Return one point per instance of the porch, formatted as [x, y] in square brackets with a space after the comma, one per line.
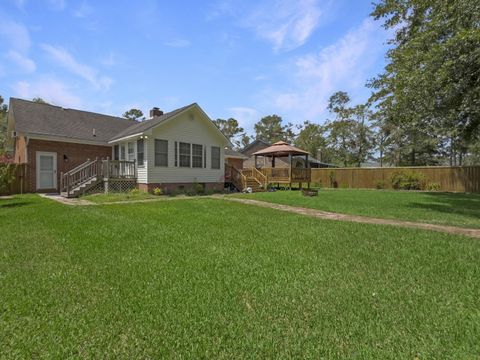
[99, 175]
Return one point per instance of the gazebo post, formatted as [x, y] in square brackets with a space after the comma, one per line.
[307, 164]
[256, 161]
[290, 172]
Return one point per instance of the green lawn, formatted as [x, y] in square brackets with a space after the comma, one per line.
[455, 209]
[121, 196]
[207, 278]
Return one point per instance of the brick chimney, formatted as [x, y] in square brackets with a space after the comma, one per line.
[155, 112]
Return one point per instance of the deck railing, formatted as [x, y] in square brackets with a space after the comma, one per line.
[99, 169]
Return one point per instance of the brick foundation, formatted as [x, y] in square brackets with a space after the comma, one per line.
[171, 187]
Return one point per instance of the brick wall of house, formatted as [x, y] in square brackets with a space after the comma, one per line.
[236, 163]
[69, 155]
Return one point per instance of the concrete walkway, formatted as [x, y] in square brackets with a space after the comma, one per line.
[359, 219]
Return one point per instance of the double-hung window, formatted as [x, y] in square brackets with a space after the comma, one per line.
[140, 152]
[197, 156]
[184, 154]
[161, 152]
[215, 157]
[122, 152]
[131, 151]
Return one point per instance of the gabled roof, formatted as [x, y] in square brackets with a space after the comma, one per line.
[229, 153]
[255, 142]
[47, 120]
[143, 126]
[280, 148]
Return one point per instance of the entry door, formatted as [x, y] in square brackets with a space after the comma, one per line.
[46, 170]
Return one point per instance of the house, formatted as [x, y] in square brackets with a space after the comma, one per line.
[74, 149]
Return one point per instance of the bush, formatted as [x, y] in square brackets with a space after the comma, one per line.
[380, 185]
[433, 186]
[7, 176]
[135, 192]
[408, 180]
[157, 191]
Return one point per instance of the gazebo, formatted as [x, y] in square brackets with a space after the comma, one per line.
[283, 175]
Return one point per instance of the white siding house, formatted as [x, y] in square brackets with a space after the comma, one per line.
[179, 148]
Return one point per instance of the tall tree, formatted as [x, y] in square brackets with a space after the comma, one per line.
[430, 88]
[3, 124]
[231, 129]
[312, 138]
[134, 114]
[271, 128]
[245, 140]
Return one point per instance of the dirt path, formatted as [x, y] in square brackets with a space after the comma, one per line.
[359, 219]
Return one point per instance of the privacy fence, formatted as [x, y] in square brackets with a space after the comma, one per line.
[448, 178]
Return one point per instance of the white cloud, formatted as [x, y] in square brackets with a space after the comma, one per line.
[287, 24]
[178, 43]
[66, 60]
[246, 116]
[344, 65]
[21, 61]
[57, 5]
[49, 89]
[15, 33]
[83, 10]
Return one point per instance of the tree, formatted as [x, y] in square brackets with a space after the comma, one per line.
[3, 123]
[39, 100]
[134, 114]
[270, 128]
[312, 138]
[245, 140]
[231, 129]
[430, 87]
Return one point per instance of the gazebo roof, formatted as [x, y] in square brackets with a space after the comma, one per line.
[280, 148]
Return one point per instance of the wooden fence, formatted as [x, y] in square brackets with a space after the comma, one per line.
[450, 178]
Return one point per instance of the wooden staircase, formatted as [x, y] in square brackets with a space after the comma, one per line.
[248, 179]
[95, 174]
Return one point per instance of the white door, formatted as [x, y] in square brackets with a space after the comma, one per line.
[46, 170]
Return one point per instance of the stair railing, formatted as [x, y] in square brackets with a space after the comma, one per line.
[260, 177]
[238, 179]
[79, 175]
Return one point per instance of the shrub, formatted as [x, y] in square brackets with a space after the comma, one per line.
[157, 191]
[135, 192]
[433, 186]
[7, 176]
[380, 185]
[408, 180]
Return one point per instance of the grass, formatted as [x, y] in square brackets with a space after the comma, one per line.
[206, 278]
[122, 196]
[455, 209]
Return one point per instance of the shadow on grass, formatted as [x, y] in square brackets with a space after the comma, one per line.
[13, 204]
[461, 204]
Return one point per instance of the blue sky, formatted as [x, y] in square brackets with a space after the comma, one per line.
[236, 58]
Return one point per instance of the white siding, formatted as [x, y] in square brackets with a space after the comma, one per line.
[190, 127]
[141, 170]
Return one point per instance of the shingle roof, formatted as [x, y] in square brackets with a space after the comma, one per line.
[233, 153]
[50, 120]
[147, 124]
[280, 148]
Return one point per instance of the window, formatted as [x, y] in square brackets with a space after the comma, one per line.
[161, 152]
[215, 157]
[204, 156]
[122, 152]
[116, 154]
[131, 151]
[176, 154]
[197, 156]
[184, 152]
[140, 151]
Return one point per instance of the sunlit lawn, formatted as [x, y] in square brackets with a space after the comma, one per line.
[456, 209]
[207, 278]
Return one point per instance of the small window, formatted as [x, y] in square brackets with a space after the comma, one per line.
[184, 152]
[131, 151]
[176, 154]
[204, 156]
[197, 156]
[140, 150]
[122, 152]
[215, 157]
[161, 152]
[116, 154]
